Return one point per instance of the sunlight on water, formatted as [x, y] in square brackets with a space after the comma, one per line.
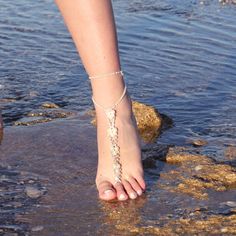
[178, 56]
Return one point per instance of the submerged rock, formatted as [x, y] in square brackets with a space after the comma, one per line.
[7, 100]
[229, 203]
[49, 105]
[33, 192]
[13, 200]
[52, 113]
[230, 153]
[196, 174]
[199, 142]
[213, 225]
[29, 121]
[43, 116]
[37, 228]
[148, 119]
[227, 1]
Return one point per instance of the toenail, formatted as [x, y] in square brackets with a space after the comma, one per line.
[133, 195]
[139, 192]
[108, 191]
[122, 197]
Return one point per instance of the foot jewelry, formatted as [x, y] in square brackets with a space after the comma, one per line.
[112, 131]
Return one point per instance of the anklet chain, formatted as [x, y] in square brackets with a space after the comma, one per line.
[107, 75]
[112, 132]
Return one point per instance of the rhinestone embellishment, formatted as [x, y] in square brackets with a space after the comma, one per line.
[112, 133]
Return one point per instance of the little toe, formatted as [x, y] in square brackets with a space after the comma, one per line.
[121, 194]
[136, 186]
[130, 191]
[106, 191]
[140, 181]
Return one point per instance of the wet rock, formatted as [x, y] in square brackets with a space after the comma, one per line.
[33, 192]
[52, 113]
[199, 142]
[11, 234]
[152, 154]
[185, 226]
[196, 174]
[43, 116]
[229, 203]
[31, 121]
[7, 100]
[49, 105]
[13, 200]
[148, 119]
[230, 153]
[227, 2]
[33, 94]
[224, 230]
[199, 167]
[37, 228]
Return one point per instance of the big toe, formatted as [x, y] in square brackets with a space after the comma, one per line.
[106, 191]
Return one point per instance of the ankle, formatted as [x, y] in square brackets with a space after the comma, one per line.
[124, 110]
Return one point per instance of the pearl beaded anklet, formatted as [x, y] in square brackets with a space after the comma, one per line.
[112, 131]
[120, 73]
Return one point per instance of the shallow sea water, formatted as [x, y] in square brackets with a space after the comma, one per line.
[178, 56]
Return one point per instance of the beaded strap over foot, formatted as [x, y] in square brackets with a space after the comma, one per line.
[112, 132]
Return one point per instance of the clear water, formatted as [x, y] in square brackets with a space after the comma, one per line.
[178, 56]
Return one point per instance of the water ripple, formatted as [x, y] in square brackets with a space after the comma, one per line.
[179, 56]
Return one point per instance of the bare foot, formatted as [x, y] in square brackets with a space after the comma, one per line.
[132, 184]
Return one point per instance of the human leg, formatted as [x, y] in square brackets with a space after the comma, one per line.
[92, 26]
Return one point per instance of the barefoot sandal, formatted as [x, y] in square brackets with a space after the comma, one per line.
[112, 131]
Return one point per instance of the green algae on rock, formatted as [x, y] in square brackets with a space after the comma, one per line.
[148, 119]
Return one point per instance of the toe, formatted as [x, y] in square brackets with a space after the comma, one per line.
[130, 191]
[140, 181]
[106, 191]
[136, 186]
[121, 194]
